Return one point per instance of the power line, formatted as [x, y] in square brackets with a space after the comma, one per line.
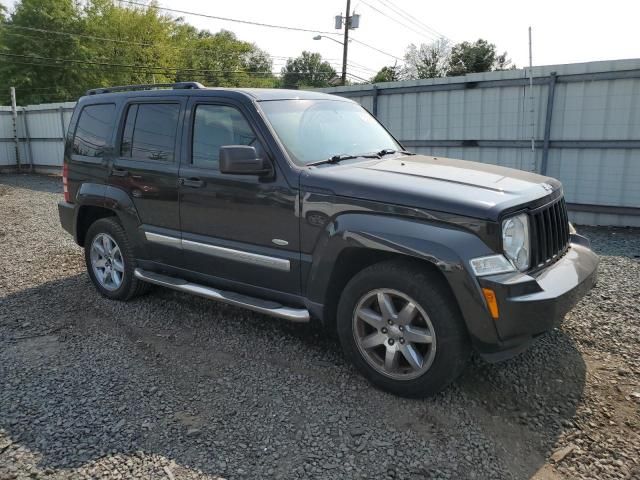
[201, 73]
[122, 65]
[400, 11]
[226, 19]
[127, 42]
[275, 58]
[377, 49]
[422, 33]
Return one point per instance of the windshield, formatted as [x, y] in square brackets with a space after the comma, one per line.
[316, 130]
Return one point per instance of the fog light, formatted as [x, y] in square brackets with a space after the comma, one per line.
[491, 265]
[492, 302]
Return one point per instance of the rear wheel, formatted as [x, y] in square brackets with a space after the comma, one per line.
[402, 329]
[110, 261]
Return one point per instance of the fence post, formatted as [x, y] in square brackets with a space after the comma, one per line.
[64, 134]
[27, 138]
[547, 123]
[14, 117]
[374, 102]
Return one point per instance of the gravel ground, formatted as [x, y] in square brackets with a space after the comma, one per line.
[175, 387]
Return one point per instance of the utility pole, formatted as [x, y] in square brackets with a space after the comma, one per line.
[14, 117]
[347, 25]
[350, 22]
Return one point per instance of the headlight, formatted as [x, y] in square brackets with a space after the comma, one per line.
[515, 240]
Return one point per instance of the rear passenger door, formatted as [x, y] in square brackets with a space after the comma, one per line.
[146, 168]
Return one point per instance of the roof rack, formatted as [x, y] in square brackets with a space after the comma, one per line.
[149, 86]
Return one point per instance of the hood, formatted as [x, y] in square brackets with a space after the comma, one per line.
[460, 187]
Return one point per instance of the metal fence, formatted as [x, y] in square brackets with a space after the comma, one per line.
[586, 127]
[40, 133]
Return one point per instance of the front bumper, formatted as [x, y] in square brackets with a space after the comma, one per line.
[531, 304]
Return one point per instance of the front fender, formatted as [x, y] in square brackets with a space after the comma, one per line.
[449, 248]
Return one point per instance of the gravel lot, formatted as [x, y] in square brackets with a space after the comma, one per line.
[175, 387]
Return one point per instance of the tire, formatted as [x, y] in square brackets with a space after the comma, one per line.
[121, 264]
[387, 349]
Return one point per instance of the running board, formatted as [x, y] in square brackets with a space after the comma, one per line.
[256, 304]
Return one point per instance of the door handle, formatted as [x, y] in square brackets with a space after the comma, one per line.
[119, 172]
[192, 182]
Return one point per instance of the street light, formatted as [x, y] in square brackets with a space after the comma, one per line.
[344, 66]
[320, 37]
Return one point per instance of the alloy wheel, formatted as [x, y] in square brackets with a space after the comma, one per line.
[107, 262]
[394, 334]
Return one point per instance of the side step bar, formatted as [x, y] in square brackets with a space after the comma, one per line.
[256, 304]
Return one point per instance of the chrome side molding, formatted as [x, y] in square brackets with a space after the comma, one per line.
[242, 256]
[238, 255]
[162, 239]
[274, 309]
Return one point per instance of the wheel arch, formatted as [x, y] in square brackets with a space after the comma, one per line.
[355, 241]
[101, 201]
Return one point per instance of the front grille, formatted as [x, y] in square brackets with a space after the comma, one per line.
[549, 233]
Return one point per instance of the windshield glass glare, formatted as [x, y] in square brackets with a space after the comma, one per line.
[315, 130]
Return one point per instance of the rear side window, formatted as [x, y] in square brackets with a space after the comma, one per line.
[150, 132]
[94, 130]
[215, 126]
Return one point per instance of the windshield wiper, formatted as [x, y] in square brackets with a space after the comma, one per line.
[339, 158]
[389, 151]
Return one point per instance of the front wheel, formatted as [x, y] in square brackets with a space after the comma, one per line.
[402, 329]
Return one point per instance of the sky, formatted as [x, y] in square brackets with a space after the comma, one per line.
[564, 31]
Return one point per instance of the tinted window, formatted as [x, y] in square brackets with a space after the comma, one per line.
[94, 130]
[215, 126]
[150, 132]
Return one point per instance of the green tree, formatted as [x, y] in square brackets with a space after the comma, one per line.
[428, 60]
[138, 36]
[307, 70]
[100, 43]
[388, 74]
[479, 56]
[24, 53]
[221, 59]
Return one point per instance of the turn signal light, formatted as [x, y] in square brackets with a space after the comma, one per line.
[492, 302]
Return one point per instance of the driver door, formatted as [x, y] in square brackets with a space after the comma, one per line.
[239, 228]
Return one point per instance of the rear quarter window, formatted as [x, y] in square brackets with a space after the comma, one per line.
[94, 130]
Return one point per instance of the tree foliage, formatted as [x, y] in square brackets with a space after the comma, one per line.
[479, 56]
[440, 59]
[307, 70]
[388, 74]
[101, 43]
[428, 60]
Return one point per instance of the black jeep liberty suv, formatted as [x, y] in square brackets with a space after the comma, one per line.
[300, 205]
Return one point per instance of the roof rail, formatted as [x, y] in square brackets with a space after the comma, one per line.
[149, 86]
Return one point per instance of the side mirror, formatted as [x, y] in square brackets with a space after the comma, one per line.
[242, 160]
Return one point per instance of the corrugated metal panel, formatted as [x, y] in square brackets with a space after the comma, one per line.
[602, 106]
[457, 109]
[44, 124]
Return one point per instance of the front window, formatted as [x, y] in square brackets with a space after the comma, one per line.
[315, 130]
